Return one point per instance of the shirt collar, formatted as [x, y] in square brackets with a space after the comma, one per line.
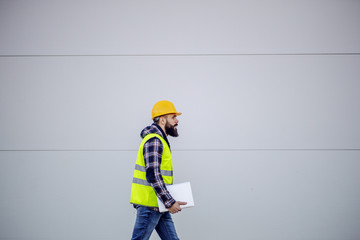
[162, 133]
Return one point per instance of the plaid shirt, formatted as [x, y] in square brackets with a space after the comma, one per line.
[152, 151]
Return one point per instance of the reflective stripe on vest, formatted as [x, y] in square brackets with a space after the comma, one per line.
[142, 182]
[163, 172]
[141, 191]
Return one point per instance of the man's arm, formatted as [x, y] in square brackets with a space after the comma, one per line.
[152, 155]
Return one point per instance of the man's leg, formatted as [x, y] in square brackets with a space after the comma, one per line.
[166, 228]
[146, 221]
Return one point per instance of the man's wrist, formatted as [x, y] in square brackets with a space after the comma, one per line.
[170, 203]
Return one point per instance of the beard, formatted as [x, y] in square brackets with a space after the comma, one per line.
[171, 130]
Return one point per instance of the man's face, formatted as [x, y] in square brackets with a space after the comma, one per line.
[171, 125]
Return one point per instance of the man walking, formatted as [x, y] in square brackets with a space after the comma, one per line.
[153, 170]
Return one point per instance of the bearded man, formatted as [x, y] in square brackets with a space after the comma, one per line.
[153, 171]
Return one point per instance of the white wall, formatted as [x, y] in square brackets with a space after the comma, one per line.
[270, 98]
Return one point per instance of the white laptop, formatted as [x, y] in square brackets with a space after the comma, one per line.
[180, 192]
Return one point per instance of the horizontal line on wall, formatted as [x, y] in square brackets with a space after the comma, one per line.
[275, 149]
[182, 150]
[179, 55]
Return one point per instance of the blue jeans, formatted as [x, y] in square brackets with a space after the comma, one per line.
[147, 220]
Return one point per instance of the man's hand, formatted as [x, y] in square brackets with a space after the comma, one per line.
[176, 207]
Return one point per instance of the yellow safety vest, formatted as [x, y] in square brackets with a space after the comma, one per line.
[142, 192]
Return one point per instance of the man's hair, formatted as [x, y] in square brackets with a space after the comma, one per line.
[156, 119]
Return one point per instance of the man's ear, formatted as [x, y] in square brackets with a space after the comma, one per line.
[163, 120]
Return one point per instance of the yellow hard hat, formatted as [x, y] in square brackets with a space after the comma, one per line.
[164, 107]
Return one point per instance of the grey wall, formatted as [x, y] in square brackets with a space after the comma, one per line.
[269, 135]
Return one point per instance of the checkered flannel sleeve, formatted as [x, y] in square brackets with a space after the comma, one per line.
[152, 155]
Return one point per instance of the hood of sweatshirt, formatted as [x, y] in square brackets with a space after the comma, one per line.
[154, 128]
